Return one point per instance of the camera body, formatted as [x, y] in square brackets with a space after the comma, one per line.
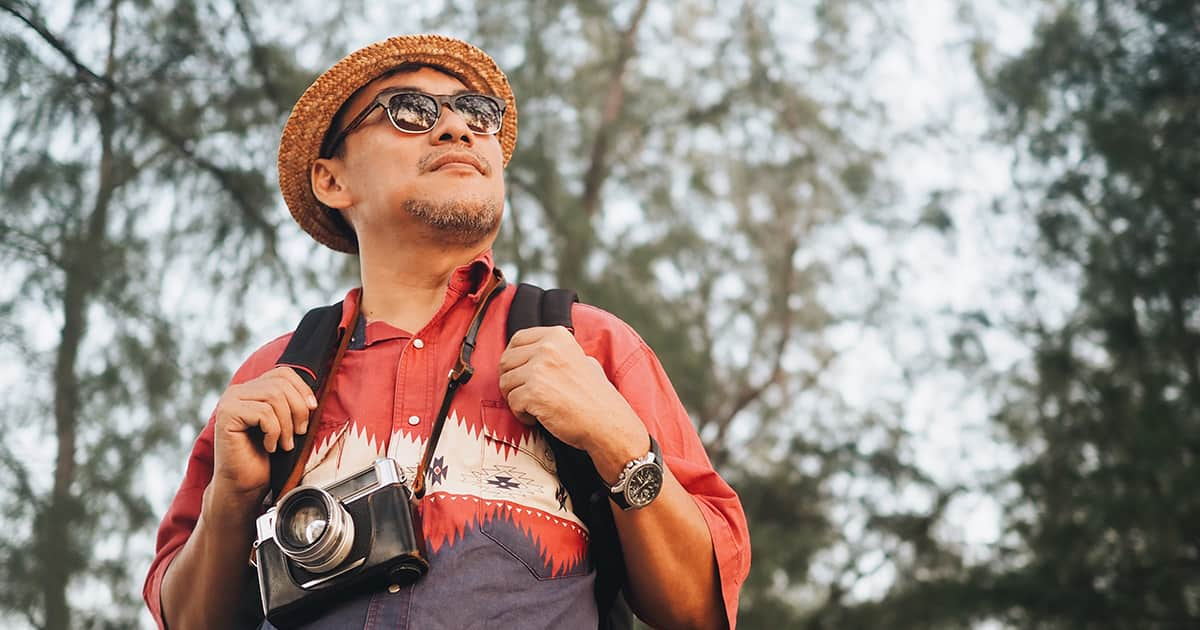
[350, 536]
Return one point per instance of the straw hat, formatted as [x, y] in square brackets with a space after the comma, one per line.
[310, 119]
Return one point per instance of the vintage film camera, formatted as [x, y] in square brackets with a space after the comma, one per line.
[346, 538]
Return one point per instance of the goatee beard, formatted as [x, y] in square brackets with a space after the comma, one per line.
[461, 223]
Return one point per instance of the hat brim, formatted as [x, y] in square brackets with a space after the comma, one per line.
[310, 119]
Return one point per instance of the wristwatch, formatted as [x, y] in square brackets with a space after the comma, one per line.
[640, 481]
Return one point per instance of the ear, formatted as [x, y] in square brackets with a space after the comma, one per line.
[328, 184]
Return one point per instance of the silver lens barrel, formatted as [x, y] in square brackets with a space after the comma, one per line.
[334, 529]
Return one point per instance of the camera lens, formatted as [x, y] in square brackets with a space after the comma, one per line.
[307, 523]
[313, 529]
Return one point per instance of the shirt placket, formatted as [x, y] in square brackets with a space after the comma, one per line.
[412, 407]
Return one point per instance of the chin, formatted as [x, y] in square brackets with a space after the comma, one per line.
[461, 220]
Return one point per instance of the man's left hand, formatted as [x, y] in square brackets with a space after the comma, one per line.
[547, 378]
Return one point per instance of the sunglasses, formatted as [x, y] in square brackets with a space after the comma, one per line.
[418, 112]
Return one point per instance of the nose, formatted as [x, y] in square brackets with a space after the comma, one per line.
[451, 128]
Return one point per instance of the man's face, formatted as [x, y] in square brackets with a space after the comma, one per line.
[447, 182]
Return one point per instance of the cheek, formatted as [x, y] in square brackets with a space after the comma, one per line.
[378, 178]
[489, 148]
[497, 183]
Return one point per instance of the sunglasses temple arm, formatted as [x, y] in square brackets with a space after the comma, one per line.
[353, 125]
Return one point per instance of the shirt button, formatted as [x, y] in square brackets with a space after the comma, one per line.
[418, 344]
[414, 420]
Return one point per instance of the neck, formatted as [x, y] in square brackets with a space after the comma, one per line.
[406, 285]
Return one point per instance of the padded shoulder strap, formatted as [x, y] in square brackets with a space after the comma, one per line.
[310, 353]
[312, 345]
[533, 306]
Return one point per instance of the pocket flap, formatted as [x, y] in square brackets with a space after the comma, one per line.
[502, 429]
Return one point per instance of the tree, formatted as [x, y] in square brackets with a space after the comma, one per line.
[137, 146]
[1103, 108]
[693, 167]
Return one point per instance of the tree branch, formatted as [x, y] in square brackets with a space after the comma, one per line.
[28, 244]
[613, 103]
[751, 393]
[539, 194]
[258, 58]
[515, 251]
[181, 144]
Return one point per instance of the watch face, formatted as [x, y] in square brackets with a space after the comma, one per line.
[644, 485]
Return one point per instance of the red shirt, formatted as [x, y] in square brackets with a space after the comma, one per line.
[491, 473]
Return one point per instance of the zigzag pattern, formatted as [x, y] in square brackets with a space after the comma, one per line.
[559, 544]
[474, 451]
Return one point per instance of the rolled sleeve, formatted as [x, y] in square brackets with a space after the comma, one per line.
[726, 523]
[179, 521]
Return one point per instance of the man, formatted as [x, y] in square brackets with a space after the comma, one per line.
[397, 154]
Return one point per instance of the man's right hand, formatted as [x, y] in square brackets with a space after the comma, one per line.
[253, 419]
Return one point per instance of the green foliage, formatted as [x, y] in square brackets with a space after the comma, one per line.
[691, 166]
[691, 170]
[135, 135]
[1103, 104]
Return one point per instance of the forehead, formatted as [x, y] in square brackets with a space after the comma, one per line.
[422, 79]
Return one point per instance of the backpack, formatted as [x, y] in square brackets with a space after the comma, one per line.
[316, 341]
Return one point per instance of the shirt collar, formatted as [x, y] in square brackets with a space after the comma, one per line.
[471, 278]
[351, 300]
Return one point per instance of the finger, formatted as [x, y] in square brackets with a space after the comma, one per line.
[513, 379]
[513, 358]
[239, 415]
[262, 415]
[290, 375]
[279, 391]
[597, 364]
[517, 400]
[527, 336]
[297, 405]
[283, 417]
[525, 404]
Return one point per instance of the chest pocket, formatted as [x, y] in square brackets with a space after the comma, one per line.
[523, 506]
[322, 465]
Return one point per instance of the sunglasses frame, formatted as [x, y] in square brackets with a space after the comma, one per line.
[443, 101]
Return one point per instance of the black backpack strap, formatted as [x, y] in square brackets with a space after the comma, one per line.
[310, 353]
[533, 306]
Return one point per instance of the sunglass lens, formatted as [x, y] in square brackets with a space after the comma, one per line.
[413, 112]
[482, 114]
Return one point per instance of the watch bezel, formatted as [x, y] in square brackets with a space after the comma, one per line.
[653, 467]
[619, 492]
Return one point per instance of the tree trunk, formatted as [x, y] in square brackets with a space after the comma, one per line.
[56, 547]
[59, 558]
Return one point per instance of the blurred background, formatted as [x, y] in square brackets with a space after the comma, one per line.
[924, 272]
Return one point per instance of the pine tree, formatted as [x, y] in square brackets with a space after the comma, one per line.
[1103, 106]
[137, 147]
[692, 167]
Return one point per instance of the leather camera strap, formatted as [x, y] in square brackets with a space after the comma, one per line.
[459, 375]
[314, 418]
